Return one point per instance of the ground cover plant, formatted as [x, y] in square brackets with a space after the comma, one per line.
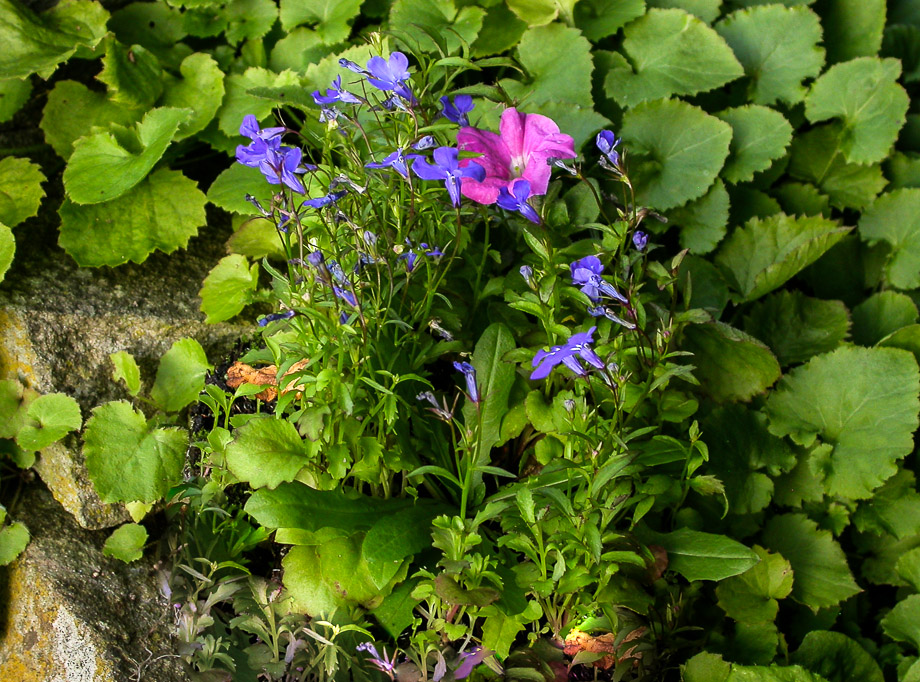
[587, 330]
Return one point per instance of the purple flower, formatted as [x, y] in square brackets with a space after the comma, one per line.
[440, 411]
[346, 295]
[335, 94]
[316, 258]
[527, 274]
[604, 311]
[586, 273]
[469, 373]
[607, 142]
[457, 111]
[426, 142]
[516, 200]
[390, 74]
[469, 660]
[250, 128]
[282, 166]
[396, 161]
[274, 317]
[639, 240]
[330, 198]
[383, 663]
[351, 66]
[446, 167]
[577, 347]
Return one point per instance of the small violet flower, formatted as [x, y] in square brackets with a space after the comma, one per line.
[426, 142]
[469, 660]
[274, 317]
[383, 663]
[577, 347]
[586, 273]
[396, 161]
[607, 142]
[521, 150]
[639, 240]
[604, 311]
[351, 66]
[527, 273]
[390, 74]
[335, 94]
[516, 200]
[330, 198]
[447, 167]
[346, 295]
[411, 256]
[457, 111]
[282, 166]
[250, 128]
[469, 373]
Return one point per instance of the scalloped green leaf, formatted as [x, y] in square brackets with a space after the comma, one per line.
[865, 95]
[894, 218]
[201, 89]
[412, 21]
[760, 135]
[764, 254]
[598, 19]
[669, 53]
[332, 18]
[249, 19]
[180, 375]
[132, 74]
[266, 452]
[778, 48]
[37, 43]
[13, 540]
[852, 28]
[882, 314]
[704, 221]
[707, 10]
[893, 509]
[161, 213]
[7, 249]
[861, 401]
[126, 459]
[14, 92]
[228, 288]
[105, 165]
[801, 198]
[49, 418]
[538, 12]
[238, 102]
[126, 543]
[902, 623]
[751, 597]
[230, 188]
[298, 50]
[21, 190]
[821, 576]
[676, 151]
[836, 657]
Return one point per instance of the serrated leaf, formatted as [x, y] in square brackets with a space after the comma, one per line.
[230, 188]
[14, 92]
[729, 364]
[882, 314]
[705, 556]
[13, 539]
[397, 611]
[778, 48]
[864, 94]
[161, 213]
[670, 53]
[836, 657]
[37, 43]
[249, 19]
[801, 198]
[21, 190]
[105, 165]
[228, 288]
[894, 508]
[49, 418]
[895, 219]
[499, 632]
[132, 74]
[333, 18]
[7, 249]
[760, 135]
[266, 452]
[908, 568]
[239, 103]
[820, 572]
[902, 623]
[863, 401]
[412, 20]
[852, 28]
[751, 597]
[126, 370]
[765, 254]
[395, 537]
[703, 222]
[128, 461]
[126, 543]
[797, 327]
[598, 19]
[200, 89]
[180, 375]
[676, 151]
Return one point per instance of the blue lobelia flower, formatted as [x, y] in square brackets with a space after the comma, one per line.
[282, 166]
[396, 161]
[351, 66]
[346, 295]
[516, 200]
[250, 128]
[446, 167]
[426, 142]
[469, 373]
[457, 110]
[390, 74]
[607, 142]
[604, 311]
[330, 198]
[383, 663]
[335, 94]
[586, 273]
[577, 347]
[639, 240]
[274, 317]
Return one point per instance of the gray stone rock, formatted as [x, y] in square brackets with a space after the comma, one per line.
[74, 615]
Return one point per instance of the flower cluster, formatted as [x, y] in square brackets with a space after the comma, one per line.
[279, 165]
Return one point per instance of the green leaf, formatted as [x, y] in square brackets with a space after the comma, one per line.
[778, 48]
[267, 452]
[797, 327]
[703, 221]
[127, 460]
[7, 249]
[249, 19]
[228, 288]
[821, 575]
[397, 610]
[902, 42]
[880, 315]
[394, 537]
[501, 31]
[238, 102]
[20, 190]
[132, 74]
[499, 631]
[50, 417]
[156, 26]
[14, 403]
[230, 188]
[37, 43]
[126, 543]
[801, 198]
[707, 10]
[126, 370]
[902, 623]
[494, 378]
[903, 170]
[893, 509]
[180, 375]
[14, 92]
[598, 19]
[412, 21]
[14, 537]
[752, 596]
[895, 220]
[333, 17]
[298, 50]
[864, 94]
[863, 401]
[200, 89]
[852, 28]
[705, 667]
[62, 129]
[730, 365]
[908, 568]
[257, 238]
[906, 338]
[705, 556]
[760, 135]
[765, 254]
[535, 12]
[837, 658]
[105, 165]
[559, 65]
[676, 151]
[670, 53]
[161, 213]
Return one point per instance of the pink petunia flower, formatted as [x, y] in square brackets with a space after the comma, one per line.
[522, 149]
